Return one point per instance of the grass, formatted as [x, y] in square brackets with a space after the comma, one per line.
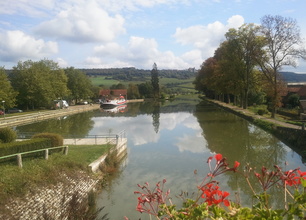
[16, 182]
[100, 80]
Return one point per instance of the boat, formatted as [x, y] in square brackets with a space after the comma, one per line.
[114, 109]
[113, 102]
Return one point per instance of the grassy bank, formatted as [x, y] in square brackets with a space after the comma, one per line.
[16, 182]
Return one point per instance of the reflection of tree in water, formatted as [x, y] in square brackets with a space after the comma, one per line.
[155, 117]
[238, 140]
[77, 125]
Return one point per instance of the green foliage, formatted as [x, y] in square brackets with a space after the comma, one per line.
[24, 146]
[267, 126]
[16, 182]
[56, 139]
[155, 81]
[7, 135]
[294, 100]
[79, 84]
[7, 93]
[38, 83]
[133, 91]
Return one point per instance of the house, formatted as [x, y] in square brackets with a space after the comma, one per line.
[294, 88]
[104, 93]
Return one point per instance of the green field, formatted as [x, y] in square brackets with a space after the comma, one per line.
[100, 80]
[185, 85]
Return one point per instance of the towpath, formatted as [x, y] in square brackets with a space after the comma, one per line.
[28, 118]
[252, 114]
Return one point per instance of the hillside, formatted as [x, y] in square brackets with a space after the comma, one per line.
[293, 77]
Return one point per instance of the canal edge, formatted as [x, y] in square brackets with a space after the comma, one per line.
[292, 135]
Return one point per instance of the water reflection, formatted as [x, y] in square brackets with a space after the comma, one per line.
[73, 125]
[171, 141]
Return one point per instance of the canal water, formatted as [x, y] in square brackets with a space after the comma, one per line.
[170, 141]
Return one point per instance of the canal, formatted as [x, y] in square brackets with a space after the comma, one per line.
[170, 141]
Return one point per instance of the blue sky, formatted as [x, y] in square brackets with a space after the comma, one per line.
[175, 34]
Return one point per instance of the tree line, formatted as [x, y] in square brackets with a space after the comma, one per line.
[133, 74]
[245, 68]
[34, 85]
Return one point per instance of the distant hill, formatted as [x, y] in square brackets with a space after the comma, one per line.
[293, 77]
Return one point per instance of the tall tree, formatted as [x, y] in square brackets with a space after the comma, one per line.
[79, 84]
[204, 79]
[7, 93]
[245, 48]
[283, 46]
[155, 81]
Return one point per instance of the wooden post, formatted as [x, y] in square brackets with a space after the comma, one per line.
[46, 154]
[19, 160]
[66, 150]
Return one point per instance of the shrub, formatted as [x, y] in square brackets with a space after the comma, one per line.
[7, 135]
[262, 111]
[24, 146]
[56, 139]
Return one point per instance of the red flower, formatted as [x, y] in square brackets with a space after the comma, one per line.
[213, 196]
[237, 164]
[218, 157]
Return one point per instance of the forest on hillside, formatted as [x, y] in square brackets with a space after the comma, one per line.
[133, 74]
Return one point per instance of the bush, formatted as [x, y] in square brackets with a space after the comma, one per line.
[24, 146]
[262, 111]
[56, 139]
[7, 135]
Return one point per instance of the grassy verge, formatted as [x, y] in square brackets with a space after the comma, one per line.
[16, 182]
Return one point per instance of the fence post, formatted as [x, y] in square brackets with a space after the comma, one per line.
[66, 150]
[19, 160]
[46, 154]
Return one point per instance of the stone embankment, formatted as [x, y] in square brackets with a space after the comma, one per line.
[69, 194]
[51, 202]
[22, 119]
[293, 135]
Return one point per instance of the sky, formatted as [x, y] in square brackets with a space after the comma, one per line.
[174, 34]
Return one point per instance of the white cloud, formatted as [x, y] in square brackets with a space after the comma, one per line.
[62, 63]
[139, 52]
[83, 22]
[192, 143]
[16, 45]
[206, 38]
[33, 8]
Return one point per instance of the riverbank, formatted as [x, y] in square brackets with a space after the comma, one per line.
[28, 118]
[52, 189]
[293, 135]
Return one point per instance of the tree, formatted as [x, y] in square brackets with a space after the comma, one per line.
[38, 83]
[133, 92]
[245, 48]
[118, 86]
[7, 93]
[145, 90]
[79, 84]
[204, 79]
[283, 47]
[155, 81]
